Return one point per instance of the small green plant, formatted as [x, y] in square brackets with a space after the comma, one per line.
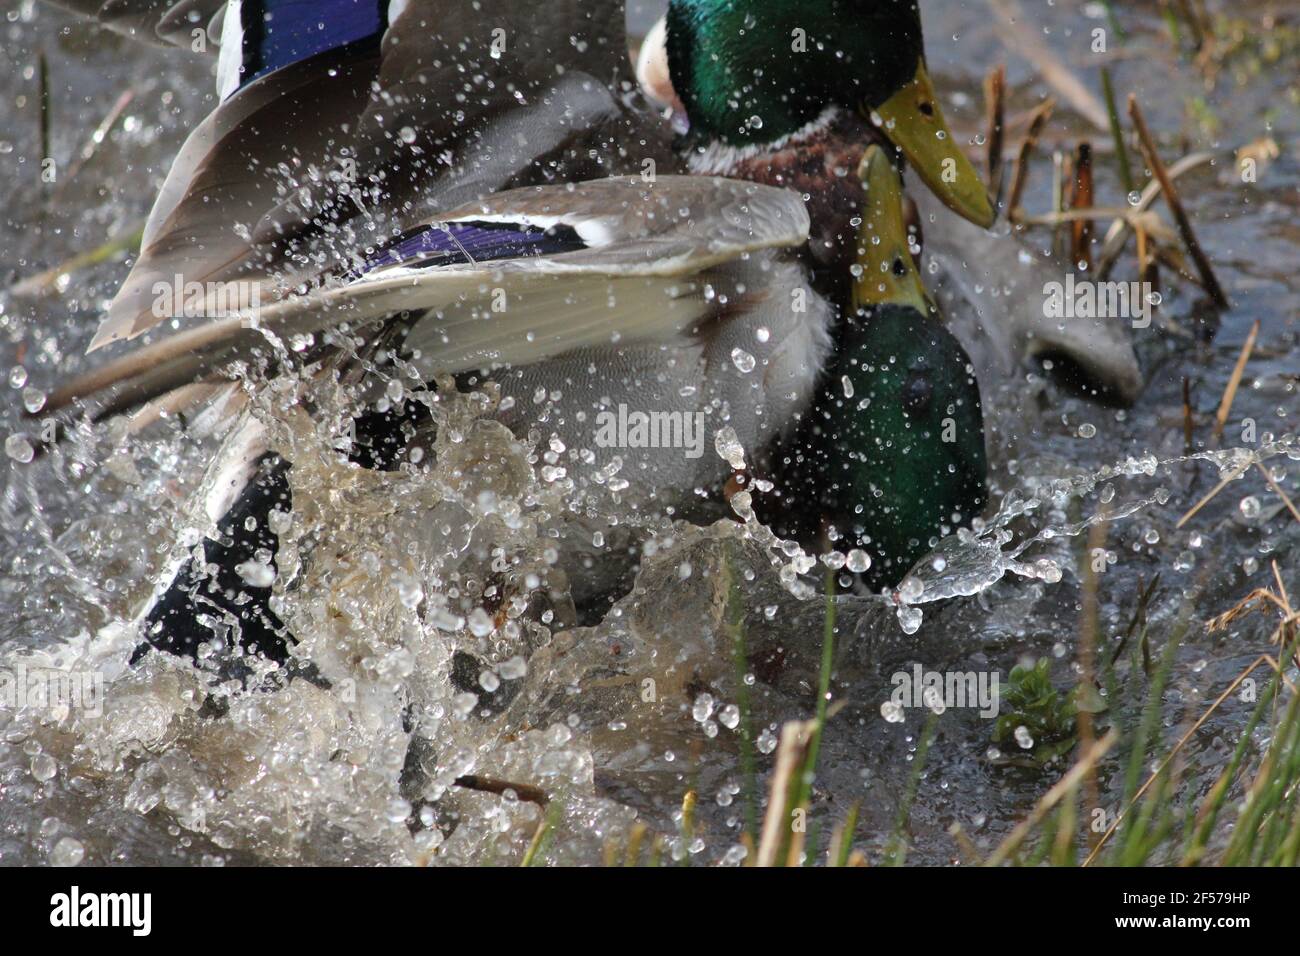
[1045, 713]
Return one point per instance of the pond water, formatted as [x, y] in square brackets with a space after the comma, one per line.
[619, 719]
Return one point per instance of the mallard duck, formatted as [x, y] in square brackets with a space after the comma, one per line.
[991, 284]
[659, 291]
[792, 94]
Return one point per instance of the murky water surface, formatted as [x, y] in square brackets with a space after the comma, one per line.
[619, 719]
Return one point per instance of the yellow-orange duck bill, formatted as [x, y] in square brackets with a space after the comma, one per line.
[913, 122]
[888, 273]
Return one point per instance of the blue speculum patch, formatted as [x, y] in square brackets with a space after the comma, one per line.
[463, 243]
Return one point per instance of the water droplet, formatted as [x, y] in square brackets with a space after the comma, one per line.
[19, 448]
[256, 574]
[743, 360]
[1024, 738]
[735, 856]
[480, 623]
[1250, 508]
[892, 712]
[729, 448]
[17, 377]
[44, 767]
[67, 852]
[703, 708]
[858, 561]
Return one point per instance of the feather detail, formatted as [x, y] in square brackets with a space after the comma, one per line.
[640, 273]
[214, 185]
[340, 151]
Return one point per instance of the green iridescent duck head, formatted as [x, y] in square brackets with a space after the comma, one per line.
[752, 72]
[895, 442]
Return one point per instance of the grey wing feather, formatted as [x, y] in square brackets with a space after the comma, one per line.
[260, 146]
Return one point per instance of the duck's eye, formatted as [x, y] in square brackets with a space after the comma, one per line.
[917, 392]
[926, 108]
[900, 270]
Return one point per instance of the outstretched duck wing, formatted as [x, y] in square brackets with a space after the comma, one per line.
[357, 119]
[512, 279]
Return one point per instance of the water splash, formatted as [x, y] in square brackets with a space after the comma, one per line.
[425, 682]
[972, 561]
